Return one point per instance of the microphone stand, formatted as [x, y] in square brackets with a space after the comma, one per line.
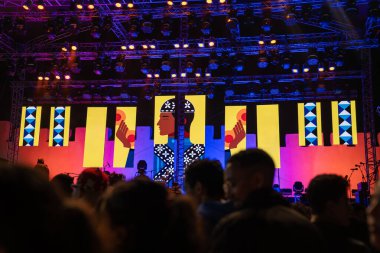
[349, 183]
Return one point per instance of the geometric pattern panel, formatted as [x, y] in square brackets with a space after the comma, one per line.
[30, 126]
[59, 126]
[309, 124]
[235, 128]
[344, 122]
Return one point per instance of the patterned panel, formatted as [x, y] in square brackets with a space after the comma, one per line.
[344, 120]
[309, 124]
[30, 126]
[59, 126]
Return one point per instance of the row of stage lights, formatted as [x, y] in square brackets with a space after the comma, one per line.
[58, 76]
[79, 5]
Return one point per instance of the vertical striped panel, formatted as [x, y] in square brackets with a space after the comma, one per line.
[59, 126]
[301, 125]
[128, 115]
[198, 126]
[335, 122]
[158, 102]
[309, 124]
[234, 114]
[344, 122]
[319, 124]
[30, 126]
[268, 131]
[95, 137]
[353, 122]
[67, 126]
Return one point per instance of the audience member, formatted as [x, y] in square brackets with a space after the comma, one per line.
[265, 222]
[63, 185]
[42, 168]
[328, 199]
[204, 181]
[373, 218]
[303, 209]
[91, 184]
[141, 170]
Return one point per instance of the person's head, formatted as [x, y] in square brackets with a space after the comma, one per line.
[63, 184]
[204, 180]
[92, 182]
[137, 211]
[248, 171]
[373, 218]
[166, 123]
[327, 195]
[28, 212]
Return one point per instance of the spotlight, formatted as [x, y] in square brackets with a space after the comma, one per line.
[189, 64]
[144, 46]
[183, 73]
[133, 29]
[120, 63]
[185, 45]
[166, 26]
[321, 67]
[286, 62]
[198, 72]
[312, 59]
[325, 16]
[232, 24]
[90, 6]
[170, 3]
[331, 66]
[118, 4]
[157, 74]
[40, 76]
[306, 68]
[27, 5]
[131, 47]
[173, 73]
[184, 3]
[79, 6]
[295, 69]
[64, 49]
[176, 45]
[298, 188]
[222, 1]
[67, 76]
[149, 75]
[57, 77]
[213, 62]
[209, 1]
[74, 47]
[47, 76]
[206, 24]
[123, 47]
[207, 73]
[290, 16]
[147, 24]
[130, 4]
[166, 63]
[261, 42]
[40, 5]
[201, 44]
[211, 43]
[263, 60]
[145, 65]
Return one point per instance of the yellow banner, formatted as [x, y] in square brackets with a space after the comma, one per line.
[197, 127]
[30, 125]
[161, 137]
[59, 130]
[95, 137]
[125, 129]
[235, 128]
[268, 131]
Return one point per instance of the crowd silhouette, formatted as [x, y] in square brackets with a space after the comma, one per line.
[219, 211]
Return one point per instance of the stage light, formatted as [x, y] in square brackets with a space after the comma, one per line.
[213, 62]
[351, 7]
[130, 4]
[147, 26]
[286, 62]
[40, 76]
[266, 25]
[206, 24]
[263, 60]
[273, 41]
[183, 73]
[120, 63]
[74, 47]
[64, 49]
[298, 188]
[325, 16]
[47, 76]
[67, 76]
[157, 73]
[133, 29]
[170, 3]
[79, 6]
[90, 6]
[198, 72]
[131, 47]
[201, 44]
[149, 75]
[290, 16]
[229, 90]
[57, 77]
[27, 5]
[40, 5]
[166, 26]
[207, 73]
[176, 45]
[118, 4]
[295, 68]
[211, 43]
[222, 1]
[145, 65]
[184, 3]
[306, 68]
[312, 59]
[173, 73]
[189, 64]
[209, 1]
[321, 67]
[185, 45]
[210, 92]
[239, 63]
[339, 60]
[123, 47]
[144, 46]
[261, 42]
[166, 63]
[331, 66]
[232, 23]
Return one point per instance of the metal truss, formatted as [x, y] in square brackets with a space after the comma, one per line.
[371, 162]
[296, 43]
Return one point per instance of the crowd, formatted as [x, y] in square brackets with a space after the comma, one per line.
[234, 210]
